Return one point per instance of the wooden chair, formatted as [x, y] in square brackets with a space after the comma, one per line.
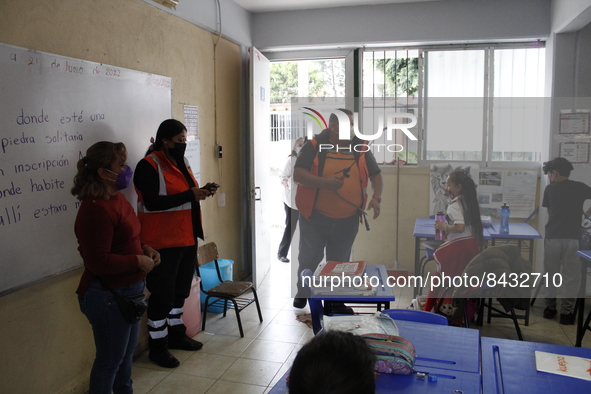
[227, 290]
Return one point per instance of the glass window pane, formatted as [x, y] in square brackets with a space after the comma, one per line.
[454, 105]
[518, 106]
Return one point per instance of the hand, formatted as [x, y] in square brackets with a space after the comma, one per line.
[152, 253]
[200, 194]
[209, 187]
[375, 205]
[145, 264]
[333, 183]
[439, 225]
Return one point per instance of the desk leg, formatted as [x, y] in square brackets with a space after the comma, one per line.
[417, 263]
[581, 327]
[531, 262]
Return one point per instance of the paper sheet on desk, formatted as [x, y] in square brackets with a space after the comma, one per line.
[362, 324]
[575, 367]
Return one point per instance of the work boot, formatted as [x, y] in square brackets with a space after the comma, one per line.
[184, 343]
[160, 355]
[178, 339]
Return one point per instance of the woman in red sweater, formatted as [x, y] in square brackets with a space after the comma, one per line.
[108, 231]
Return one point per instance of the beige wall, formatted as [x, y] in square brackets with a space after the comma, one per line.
[378, 246]
[46, 343]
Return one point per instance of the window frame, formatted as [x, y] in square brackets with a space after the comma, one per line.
[488, 80]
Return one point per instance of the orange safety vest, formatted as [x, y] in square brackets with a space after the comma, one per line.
[172, 227]
[306, 196]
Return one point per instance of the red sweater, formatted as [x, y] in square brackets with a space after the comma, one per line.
[108, 233]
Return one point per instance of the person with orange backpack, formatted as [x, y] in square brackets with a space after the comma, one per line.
[332, 176]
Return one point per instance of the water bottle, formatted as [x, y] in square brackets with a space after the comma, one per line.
[440, 234]
[505, 212]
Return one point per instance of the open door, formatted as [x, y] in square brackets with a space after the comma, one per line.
[261, 141]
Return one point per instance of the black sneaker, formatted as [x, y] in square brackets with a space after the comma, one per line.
[549, 313]
[567, 319]
[283, 259]
[184, 343]
[299, 302]
[164, 358]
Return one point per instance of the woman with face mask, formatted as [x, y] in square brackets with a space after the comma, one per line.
[170, 215]
[289, 192]
[108, 233]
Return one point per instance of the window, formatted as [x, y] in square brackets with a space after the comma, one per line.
[390, 87]
[295, 83]
[474, 103]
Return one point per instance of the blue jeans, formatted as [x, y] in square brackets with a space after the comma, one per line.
[114, 338]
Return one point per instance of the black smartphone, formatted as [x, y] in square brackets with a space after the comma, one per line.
[212, 185]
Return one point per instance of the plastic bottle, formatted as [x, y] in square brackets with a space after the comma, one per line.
[505, 212]
[440, 234]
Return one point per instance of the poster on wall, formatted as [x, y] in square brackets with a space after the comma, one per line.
[193, 152]
[574, 122]
[575, 152]
[438, 178]
[517, 188]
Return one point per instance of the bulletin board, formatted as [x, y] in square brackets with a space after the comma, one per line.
[517, 188]
[52, 108]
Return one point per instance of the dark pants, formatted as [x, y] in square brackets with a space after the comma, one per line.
[115, 339]
[291, 221]
[320, 234]
[170, 284]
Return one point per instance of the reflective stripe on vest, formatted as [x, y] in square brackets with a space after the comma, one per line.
[161, 192]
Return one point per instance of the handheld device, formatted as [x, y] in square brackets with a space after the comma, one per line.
[212, 185]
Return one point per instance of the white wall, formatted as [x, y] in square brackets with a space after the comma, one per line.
[441, 21]
[570, 15]
[236, 21]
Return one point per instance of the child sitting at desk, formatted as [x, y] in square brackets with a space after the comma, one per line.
[333, 362]
[464, 229]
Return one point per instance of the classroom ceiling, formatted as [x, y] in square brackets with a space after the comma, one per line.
[288, 5]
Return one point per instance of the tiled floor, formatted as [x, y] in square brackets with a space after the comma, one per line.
[231, 364]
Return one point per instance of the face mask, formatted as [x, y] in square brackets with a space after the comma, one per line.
[298, 149]
[178, 152]
[123, 179]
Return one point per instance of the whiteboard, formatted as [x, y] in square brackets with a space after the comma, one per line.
[52, 108]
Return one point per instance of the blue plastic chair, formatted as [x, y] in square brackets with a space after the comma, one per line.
[416, 316]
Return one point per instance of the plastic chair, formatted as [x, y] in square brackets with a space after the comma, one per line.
[416, 316]
[227, 290]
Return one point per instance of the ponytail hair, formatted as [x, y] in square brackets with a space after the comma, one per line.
[468, 198]
[87, 182]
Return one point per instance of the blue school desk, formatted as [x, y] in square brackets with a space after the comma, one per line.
[383, 294]
[443, 347]
[451, 353]
[447, 382]
[582, 323]
[510, 367]
[520, 232]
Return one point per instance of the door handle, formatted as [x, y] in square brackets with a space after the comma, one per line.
[257, 194]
